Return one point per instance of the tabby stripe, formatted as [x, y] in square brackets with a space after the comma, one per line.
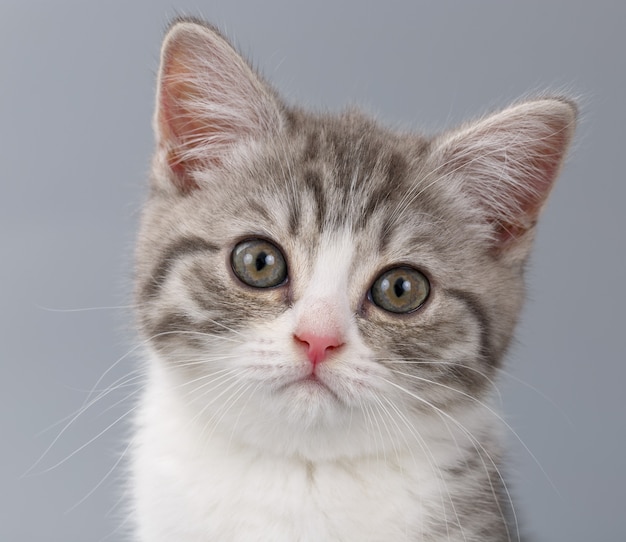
[175, 251]
[312, 148]
[294, 215]
[262, 211]
[394, 170]
[170, 324]
[384, 235]
[177, 325]
[479, 312]
[313, 182]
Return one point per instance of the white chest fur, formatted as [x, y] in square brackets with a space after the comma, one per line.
[191, 488]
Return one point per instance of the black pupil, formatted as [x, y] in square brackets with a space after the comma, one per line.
[260, 262]
[398, 287]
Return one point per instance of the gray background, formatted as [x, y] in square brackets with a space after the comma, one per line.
[76, 97]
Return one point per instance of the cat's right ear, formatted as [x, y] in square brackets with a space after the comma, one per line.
[208, 100]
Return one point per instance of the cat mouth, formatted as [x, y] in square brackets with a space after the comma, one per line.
[313, 383]
[313, 380]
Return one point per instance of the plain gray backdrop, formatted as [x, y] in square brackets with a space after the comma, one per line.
[76, 99]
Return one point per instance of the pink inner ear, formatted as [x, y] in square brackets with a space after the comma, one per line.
[537, 176]
[208, 99]
[508, 162]
[511, 161]
[178, 126]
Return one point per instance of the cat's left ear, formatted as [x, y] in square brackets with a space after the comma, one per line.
[507, 164]
[209, 99]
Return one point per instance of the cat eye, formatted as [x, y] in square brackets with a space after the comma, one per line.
[400, 290]
[259, 263]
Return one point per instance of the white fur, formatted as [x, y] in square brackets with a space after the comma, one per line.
[190, 490]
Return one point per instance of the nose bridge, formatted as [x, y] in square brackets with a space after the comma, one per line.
[321, 317]
[324, 306]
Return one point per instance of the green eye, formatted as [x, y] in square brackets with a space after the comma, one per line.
[400, 290]
[259, 263]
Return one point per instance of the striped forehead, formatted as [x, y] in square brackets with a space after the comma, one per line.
[338, 184]
[336, 176]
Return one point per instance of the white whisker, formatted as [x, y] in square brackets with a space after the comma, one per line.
[103, 479]
[410, 361]
[491, 411]
[475, 442]
[86, 309]
[83, 446]
[432, 463]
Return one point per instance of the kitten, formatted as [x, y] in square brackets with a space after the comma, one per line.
[326, 304]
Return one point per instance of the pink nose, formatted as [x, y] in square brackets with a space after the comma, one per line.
[318, 345]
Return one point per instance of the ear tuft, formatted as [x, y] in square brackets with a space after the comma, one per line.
[508, 162]
[208, 100]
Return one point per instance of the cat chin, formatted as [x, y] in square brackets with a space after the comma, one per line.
[316, 442]
[310, 401]
[335, 416]
[303, 420]
[308, 422]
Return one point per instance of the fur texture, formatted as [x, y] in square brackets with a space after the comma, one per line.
[391, 436]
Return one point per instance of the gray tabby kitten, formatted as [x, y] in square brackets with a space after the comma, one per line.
[326, 304]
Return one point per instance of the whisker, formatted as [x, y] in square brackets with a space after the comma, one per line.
[72, 418]
[410, 361]
[194, 332]
[382, 439]
[226, 407]
[122, 400]
[365, 407]
[218, 396]
[432, 463]
[541, 394]
[141, 345]
[475, 442]
[104, 478]
[127, 518]
[111, 367]
[204, 361]
[85, 309]
[225, 375]
[241, 410]
[83, 446]
[115, 386]
[491, 411]
[379, 406]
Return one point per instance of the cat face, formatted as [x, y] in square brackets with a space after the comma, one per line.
[321, 273]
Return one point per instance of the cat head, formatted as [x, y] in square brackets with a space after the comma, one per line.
[314, 276]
